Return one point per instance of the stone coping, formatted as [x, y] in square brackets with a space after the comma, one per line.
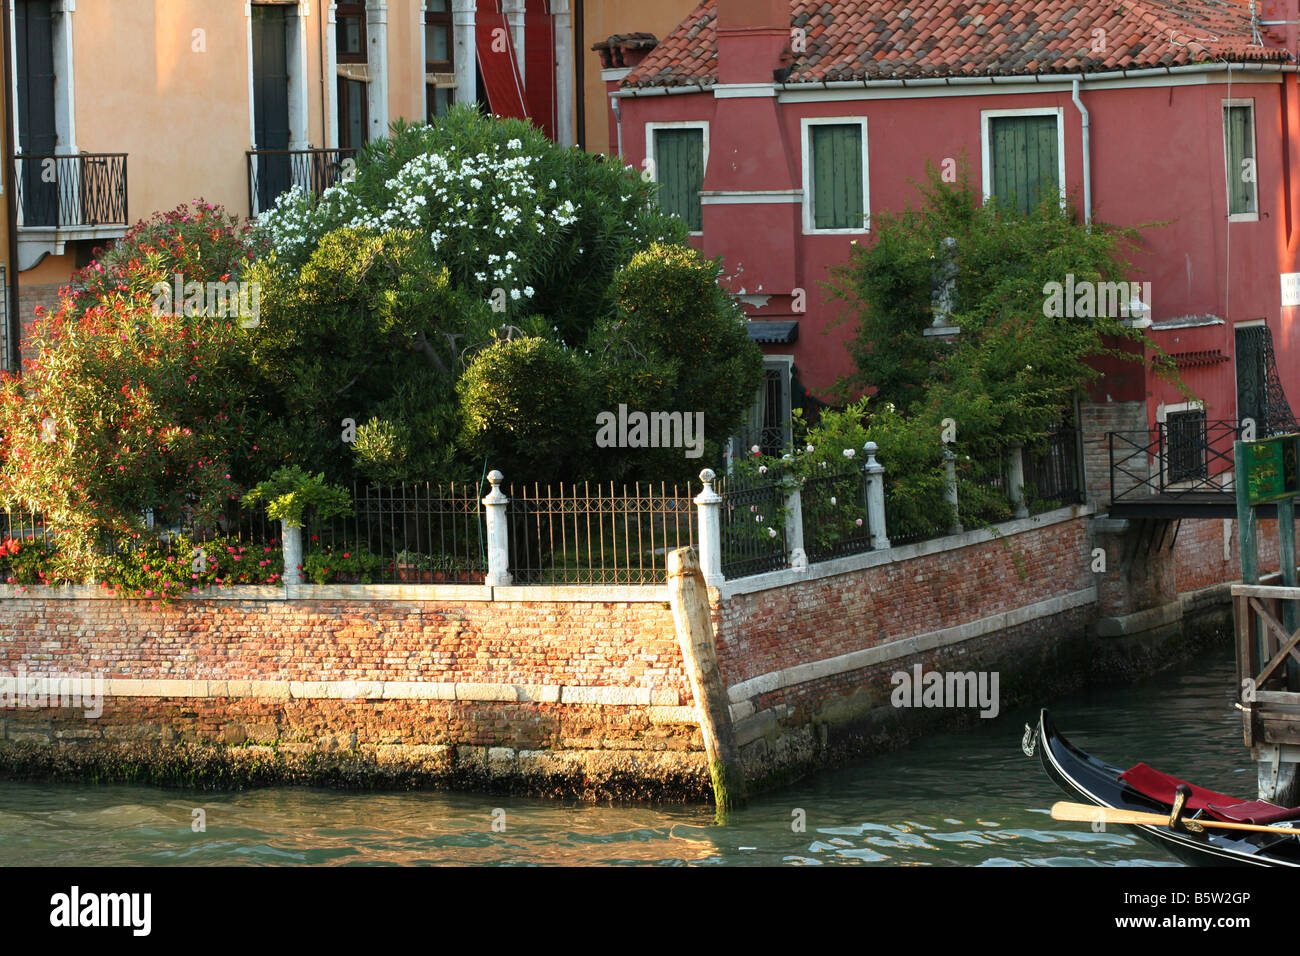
[86, 685]
[618, 594]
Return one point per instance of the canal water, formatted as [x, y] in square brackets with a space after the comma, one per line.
[969, 798]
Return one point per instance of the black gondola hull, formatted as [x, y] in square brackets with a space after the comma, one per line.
[1089, 780]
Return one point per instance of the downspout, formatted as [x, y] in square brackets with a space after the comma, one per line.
[324, 93]
[1087, 155]
[618, 120]
[10, 179]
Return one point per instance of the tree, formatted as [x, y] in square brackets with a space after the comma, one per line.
[138, 398]
[1016, 366]
[448, 240]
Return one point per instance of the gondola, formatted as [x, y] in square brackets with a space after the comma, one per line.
[1089, 780]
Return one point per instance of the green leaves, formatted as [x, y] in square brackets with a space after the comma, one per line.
[1014, 369]
[291, 491]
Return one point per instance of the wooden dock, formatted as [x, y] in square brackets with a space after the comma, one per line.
[1268, 665]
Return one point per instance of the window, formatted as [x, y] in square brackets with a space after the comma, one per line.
[835, 175]
[353, 113]
[1024, 156]
[438, 47]
[768, 424]
[350, 32]
[1186, 439]
[680, 153]
[1239, 153]
[439, 58]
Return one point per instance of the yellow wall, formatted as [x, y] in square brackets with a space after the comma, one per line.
[178, 102]
[602, 19]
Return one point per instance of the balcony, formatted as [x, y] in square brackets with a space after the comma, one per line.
[64, 198]
[273, 172]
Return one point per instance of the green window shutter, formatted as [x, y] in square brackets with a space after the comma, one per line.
[837, 176]
[679, 165]
[1025, 154]
[1239, 132]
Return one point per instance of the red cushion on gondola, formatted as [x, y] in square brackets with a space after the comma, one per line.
[1160, 786]
[1254, 811]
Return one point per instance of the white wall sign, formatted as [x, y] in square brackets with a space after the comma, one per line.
[1290, 288]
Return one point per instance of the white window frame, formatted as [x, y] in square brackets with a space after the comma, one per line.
[1254, 148]
[652, 128]
[1162, 418]
[986, 144]
[805, 158]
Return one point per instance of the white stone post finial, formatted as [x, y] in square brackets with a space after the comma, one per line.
[709, 503]
[498, 575]
[875, 498]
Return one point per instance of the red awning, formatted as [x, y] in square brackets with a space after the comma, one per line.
[497, 64]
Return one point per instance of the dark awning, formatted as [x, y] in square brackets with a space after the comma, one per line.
[767, 332]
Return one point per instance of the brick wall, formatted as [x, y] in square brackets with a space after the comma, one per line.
[501, 686]
[1096, 421]
[1199, 553]
[825, 618]
[572, 696]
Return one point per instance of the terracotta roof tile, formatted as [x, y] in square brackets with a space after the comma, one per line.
[886, 39]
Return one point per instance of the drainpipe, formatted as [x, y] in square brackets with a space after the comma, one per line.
[1087, 155]
[618, 120]
[9, 178]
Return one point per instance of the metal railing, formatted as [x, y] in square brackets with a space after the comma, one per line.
[753, 526]
[834, 512]
[408, 534]
[84, 189]
[584, 534]
[273, 172]
[1190, 457]
[1053, 478]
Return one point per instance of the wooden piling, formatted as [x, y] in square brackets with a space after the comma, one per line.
[689, 598]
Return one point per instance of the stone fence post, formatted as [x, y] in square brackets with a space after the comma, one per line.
[875, 498]
[950, 488]
[291, 546]
[498, 538]
[794, 524]
[709, 503]
[1016, 480]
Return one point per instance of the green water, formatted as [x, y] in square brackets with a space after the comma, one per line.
[969, 798]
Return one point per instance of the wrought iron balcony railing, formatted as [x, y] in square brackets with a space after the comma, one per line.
[83, 189]
[273, 172]
[1181, 457]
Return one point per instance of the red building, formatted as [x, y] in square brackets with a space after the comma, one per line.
[777, 128]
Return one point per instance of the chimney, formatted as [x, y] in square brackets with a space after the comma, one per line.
[753, 37]
[1279, 17]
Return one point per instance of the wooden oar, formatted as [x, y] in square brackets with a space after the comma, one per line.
[1087, 813]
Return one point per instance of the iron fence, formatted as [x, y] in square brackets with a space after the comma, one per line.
[835, 520]
[84, 189]
[272, 172]
[580, 534]
[17, 523]
[1053, 478]
[407, 533]
[753, 526]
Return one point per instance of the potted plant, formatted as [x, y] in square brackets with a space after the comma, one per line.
[413, 567]
[288, 493]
